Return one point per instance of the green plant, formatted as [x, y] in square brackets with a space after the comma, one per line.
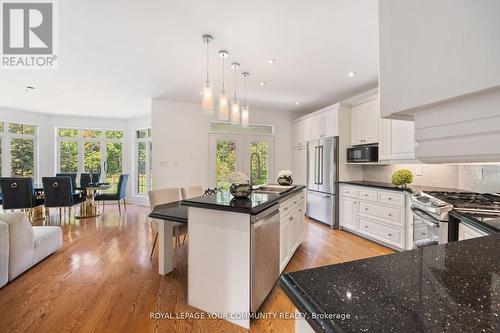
[402, 177]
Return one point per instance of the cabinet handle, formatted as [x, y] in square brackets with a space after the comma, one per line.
[286, 208]
[294, 202]
[366, 209]
[389, 198]
[366, 227]
[389, 235]
[390, 214]
[366, 195]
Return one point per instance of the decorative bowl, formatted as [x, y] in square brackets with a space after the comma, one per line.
[285, 181]
[240, 190]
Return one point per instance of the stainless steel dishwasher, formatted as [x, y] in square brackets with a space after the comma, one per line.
[265, 254]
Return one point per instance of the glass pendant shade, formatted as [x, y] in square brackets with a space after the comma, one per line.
[235, 112]
[223, 111]
[207, 99]
[245, 115]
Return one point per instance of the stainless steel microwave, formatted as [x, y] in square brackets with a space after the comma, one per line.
[362, 154]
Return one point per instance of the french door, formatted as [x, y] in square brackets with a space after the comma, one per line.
[232, 153]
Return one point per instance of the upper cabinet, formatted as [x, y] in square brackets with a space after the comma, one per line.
[320, 124]
[325, 123]
[301, 132]
[397, 141]
[364, 123]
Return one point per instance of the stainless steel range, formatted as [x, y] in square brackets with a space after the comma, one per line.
[430, 219]
[430, 212]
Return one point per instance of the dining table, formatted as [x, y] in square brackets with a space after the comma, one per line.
[165, 214]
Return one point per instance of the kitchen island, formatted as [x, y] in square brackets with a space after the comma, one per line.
[437, 288]
[238, 248]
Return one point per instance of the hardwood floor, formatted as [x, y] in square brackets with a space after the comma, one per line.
[103, 281]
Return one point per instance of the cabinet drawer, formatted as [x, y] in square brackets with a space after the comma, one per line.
[385, 233]
[348, 191]
[396, 199]
[390, 214]
[367, 195]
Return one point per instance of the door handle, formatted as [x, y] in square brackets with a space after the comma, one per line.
[316, 165]
[321, 165]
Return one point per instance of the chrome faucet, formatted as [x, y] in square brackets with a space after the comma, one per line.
[258, 165]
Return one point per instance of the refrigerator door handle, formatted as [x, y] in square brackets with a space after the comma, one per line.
[321, 165]
[315, 165]
[318, 165]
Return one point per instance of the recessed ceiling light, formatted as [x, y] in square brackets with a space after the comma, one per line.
[297, 103]
[271, 61]
[262, 83]
[351, 74]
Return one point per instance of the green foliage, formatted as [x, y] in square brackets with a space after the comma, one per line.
[261, 148]
[226, 162]
[22, 154]
[68, 160]
[402, 177]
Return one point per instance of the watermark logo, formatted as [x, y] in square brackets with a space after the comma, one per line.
[28, 34]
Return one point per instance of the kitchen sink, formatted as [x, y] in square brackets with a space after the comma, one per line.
[273, 189]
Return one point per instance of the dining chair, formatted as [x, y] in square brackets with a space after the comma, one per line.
[192, 191]
[18, 193]
[58, 193]
[163, 196]
[71, 175]
[119, 194]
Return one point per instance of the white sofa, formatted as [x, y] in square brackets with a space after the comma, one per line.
[22, 246]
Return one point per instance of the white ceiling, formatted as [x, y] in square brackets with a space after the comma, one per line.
[115, 55]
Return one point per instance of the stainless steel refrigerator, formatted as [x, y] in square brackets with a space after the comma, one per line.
[322, 180]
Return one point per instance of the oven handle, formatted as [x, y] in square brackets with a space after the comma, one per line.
[425, 216]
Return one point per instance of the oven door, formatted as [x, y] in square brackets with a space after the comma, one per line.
[426, 228]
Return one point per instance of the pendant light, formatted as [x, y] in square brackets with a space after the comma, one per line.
[245, 110]
[207, 100]
[223, 111]
[235, 104]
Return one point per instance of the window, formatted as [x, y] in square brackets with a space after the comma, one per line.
[17, 150]
[247, 153]
[91, 150]
[144, 146]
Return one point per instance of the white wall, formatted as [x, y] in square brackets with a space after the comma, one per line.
[181, 145]
[46, 141]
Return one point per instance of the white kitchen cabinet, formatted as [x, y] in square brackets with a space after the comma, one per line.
[325, 123]
[397, 140]
[348, 213]
[299, 167]
[291, 226]
[379, 215]
[466, 231]
[301, 132]
[365, 119]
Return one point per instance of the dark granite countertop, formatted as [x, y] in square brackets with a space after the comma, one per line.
[484, 222]
[253, 204]
[410, 188]
[438, 288]
[172, 211]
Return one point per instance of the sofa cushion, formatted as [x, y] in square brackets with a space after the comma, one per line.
[4, 253]
[21, 242]
[47, 241]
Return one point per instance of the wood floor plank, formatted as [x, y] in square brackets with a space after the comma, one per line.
[102, 280]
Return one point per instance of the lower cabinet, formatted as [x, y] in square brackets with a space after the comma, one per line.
[466, 231]
[292, 216]
[375, 214]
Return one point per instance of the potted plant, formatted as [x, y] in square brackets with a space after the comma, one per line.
[402, 177]
[285, 177]
[240, 185]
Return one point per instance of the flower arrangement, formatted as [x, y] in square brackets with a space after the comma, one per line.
[238, 178]
[285, 177]
[402, 177]
[285, 174]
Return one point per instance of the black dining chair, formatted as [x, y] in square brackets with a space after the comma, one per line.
[120, 194]
[18, 193]
[71, 175]
[58, 193]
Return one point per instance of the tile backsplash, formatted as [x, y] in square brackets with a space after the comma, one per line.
[478, 178]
